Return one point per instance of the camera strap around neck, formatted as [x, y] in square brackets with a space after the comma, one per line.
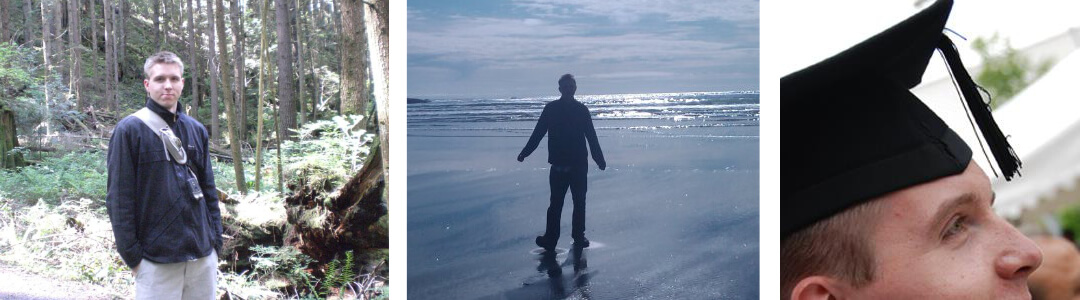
[173, 146]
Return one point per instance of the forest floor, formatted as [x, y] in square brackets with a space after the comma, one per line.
[20, 284]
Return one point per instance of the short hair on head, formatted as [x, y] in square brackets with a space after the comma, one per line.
[163, 57]
[836, 247]
[567, 80]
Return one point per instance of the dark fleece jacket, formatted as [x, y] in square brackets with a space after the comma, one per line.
[153, 212]
[568, 125]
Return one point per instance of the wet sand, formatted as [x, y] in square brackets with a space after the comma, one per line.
[675, 216]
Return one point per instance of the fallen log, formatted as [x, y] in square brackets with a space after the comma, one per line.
[325, 223]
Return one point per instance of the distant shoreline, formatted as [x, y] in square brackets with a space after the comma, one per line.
[556, 96]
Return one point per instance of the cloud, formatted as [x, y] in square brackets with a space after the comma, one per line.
[624, 75]
[515, 53]
[628, 11]
[514, 43]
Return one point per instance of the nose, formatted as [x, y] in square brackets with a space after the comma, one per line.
[1020, 256]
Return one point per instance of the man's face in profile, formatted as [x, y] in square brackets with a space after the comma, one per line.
[165, 84]
[942, 240]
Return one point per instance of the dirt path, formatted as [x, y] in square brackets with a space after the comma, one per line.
[18, 284]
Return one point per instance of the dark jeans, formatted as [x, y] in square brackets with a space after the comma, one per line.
[561, 178]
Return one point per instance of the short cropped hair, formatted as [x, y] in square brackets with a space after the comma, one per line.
[567, 80]
[836, 247]
[163, 57]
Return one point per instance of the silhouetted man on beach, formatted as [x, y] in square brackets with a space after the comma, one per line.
[568, 125]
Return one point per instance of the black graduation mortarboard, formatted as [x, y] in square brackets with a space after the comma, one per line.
[851, 130]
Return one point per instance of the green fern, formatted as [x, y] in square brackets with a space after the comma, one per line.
[339, 273]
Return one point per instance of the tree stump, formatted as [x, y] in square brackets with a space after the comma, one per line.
[8, 140]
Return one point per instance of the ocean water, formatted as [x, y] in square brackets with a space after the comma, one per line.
[660, 113]
[674, 216]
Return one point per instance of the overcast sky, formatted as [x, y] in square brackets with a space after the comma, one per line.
[508, 48]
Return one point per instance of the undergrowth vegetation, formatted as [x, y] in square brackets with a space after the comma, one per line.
[70, 176]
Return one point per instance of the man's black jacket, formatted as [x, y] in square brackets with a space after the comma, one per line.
[568, 125]
[150, 204]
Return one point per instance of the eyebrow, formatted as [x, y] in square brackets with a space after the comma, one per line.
[949, 206]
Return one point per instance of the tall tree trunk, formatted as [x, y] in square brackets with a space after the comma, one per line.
[316, 10]
[46, 34]
[75, 47]
[286, 87]
[109, 15]
[230, 111]
[5, 22]
[93, 27]
[157, 24]
[28, 23]
[377, 17]
[353, 49]
[214, 74]
[238, 72]
[166, 22]
[300, 62]
[313, 53]
[333, 15]
[120, 31]
[46, 39]
[262, 94]
[192, 44]
[121, 46]
[59, 43]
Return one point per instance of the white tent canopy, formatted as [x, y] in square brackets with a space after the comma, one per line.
[1043, 124]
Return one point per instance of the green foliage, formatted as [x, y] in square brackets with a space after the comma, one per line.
[273, 264]
[15, 69]
[71, 176]
[1005, 71]
[329, 150]
[1070, 218]
[225, 177]
[339, 273]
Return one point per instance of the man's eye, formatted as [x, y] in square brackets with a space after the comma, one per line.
[958, 226]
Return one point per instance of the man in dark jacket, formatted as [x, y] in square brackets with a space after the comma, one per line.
[163, 205]
[568, 125]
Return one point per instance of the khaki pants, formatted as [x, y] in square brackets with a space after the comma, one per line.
[195, 279]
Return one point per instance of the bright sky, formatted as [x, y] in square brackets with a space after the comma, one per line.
[508, 48]
[819, 29]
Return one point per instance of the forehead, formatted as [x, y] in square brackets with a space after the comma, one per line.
[164, 69]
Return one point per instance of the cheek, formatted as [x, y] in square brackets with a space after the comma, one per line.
[938, 274]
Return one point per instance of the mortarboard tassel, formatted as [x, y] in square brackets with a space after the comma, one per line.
[999, 146]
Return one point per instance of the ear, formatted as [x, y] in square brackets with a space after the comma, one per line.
[818, 288]
[146, 83]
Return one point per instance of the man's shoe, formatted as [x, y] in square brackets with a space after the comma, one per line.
[581, 242]
[543, 242]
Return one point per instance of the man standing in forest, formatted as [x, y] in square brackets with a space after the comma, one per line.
[161, 197]
[568, 125]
